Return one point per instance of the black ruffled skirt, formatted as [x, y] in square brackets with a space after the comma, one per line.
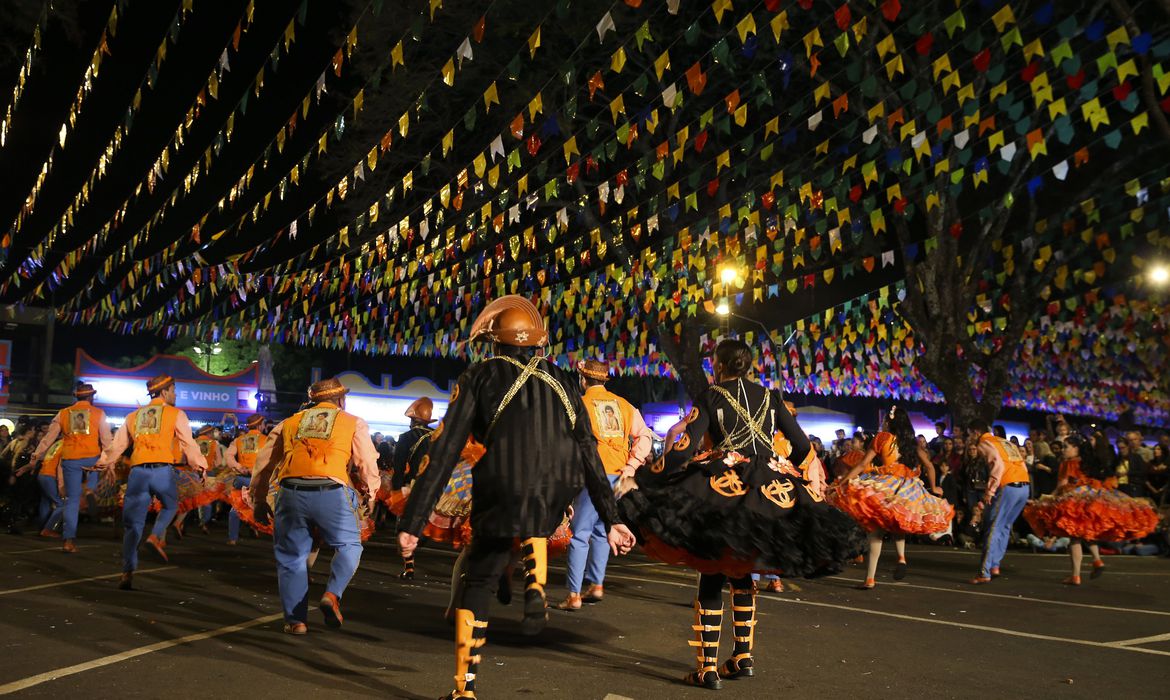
[735, 515]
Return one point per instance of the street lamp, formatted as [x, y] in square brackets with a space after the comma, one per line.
[728, 274]
[206, 350]
[1159, 274]
[723, 309]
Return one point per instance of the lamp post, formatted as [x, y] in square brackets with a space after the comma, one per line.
[728, 275]
[206, 350]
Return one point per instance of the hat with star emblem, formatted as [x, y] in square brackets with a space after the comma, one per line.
[510, 320]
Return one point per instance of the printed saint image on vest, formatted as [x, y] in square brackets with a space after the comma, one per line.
[318, 424]
[609, 418]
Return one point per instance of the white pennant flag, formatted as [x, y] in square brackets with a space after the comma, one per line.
[464, 51]
[605, 25]
[497, 148]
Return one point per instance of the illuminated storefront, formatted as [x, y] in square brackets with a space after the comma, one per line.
[206, 398]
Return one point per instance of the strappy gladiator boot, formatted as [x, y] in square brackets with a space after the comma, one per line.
[407, 568]
[743, 617]
[470, 635]
[535, 552]
[706, 643]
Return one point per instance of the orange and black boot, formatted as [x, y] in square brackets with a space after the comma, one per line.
[407, 569]
[470, 635]
[743, 618]
[535, 552]
[706, 643]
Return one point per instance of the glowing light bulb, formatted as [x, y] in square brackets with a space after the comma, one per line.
[1159, 274]
[723, 309]
[728, 275]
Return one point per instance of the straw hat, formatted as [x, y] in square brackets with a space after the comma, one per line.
[159, 384]
[594, 369]
[327, 389]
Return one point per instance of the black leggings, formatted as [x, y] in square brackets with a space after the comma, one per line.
[711, 589]
[486, 559]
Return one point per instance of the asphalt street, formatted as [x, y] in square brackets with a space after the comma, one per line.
[208, 623]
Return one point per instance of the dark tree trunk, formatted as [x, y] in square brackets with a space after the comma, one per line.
[683, 353]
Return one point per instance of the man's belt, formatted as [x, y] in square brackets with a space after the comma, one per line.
[1019, 483]
[327, 486]
[152, 465]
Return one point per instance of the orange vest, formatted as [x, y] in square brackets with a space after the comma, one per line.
[248, 446]
[52, 460]
[1015, 470]
[613, 419]
[79, 430]
[209, 448]
[318, 442]
[152, 431]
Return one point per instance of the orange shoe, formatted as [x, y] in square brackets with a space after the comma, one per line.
[51, 534]
[1098, 569]
[980, 580]
[868, 585]
[68, 547]
[159, 547]
[571, 603]
[595, 594]
[1072, 581]
[331, 609]
[296, 628]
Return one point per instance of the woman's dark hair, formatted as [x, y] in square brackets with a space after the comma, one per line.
[1102, 462]
[899, 424]
[735, 356]
[1159, 456]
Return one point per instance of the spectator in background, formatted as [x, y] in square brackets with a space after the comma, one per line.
[940, 429]
[948, 483]
[385, 452]
[1131, 471]
[5, 437]
[1043, 470]
[1138, 447]
[1059, 428]
[840, 445]
[999, 431]
[818, 447]
[1158, 475]
[1164, 441]
[973, 477]
[1100, 453]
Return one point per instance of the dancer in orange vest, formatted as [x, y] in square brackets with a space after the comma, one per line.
[327, 468]
[160, 436]
[1008, 488]
[241, 459]
[85, 433]
[212, 451]
[623, 443]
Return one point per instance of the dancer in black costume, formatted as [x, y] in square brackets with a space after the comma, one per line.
[740, 492]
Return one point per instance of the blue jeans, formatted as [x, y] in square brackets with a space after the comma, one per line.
[147, 480]
[75, 476]
[589, 550]
[49, 512]
[335, 515]
[233, 517]
[1005, 508]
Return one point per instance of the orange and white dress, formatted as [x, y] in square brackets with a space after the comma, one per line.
[1090, 509]
[889, 496]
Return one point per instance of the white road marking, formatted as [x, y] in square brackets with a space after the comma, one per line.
[933, 621]
[1142, 640]
[48, 549]
[47, 676]
[1139, 611]
[611, 696]
[72, 581]
[1113, 572]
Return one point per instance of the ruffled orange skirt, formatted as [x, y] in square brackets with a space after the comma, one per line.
[239, 498]
[892, 502]
[1092, 512]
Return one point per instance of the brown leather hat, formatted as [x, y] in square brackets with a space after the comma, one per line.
[327, 389]
[159, 383]
[791, 408]
[510, 320]
[421, 409]
[205, 430]
[594, 369]
[84, 391]
[255, 420]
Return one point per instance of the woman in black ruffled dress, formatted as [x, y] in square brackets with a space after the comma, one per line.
[740, 492]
